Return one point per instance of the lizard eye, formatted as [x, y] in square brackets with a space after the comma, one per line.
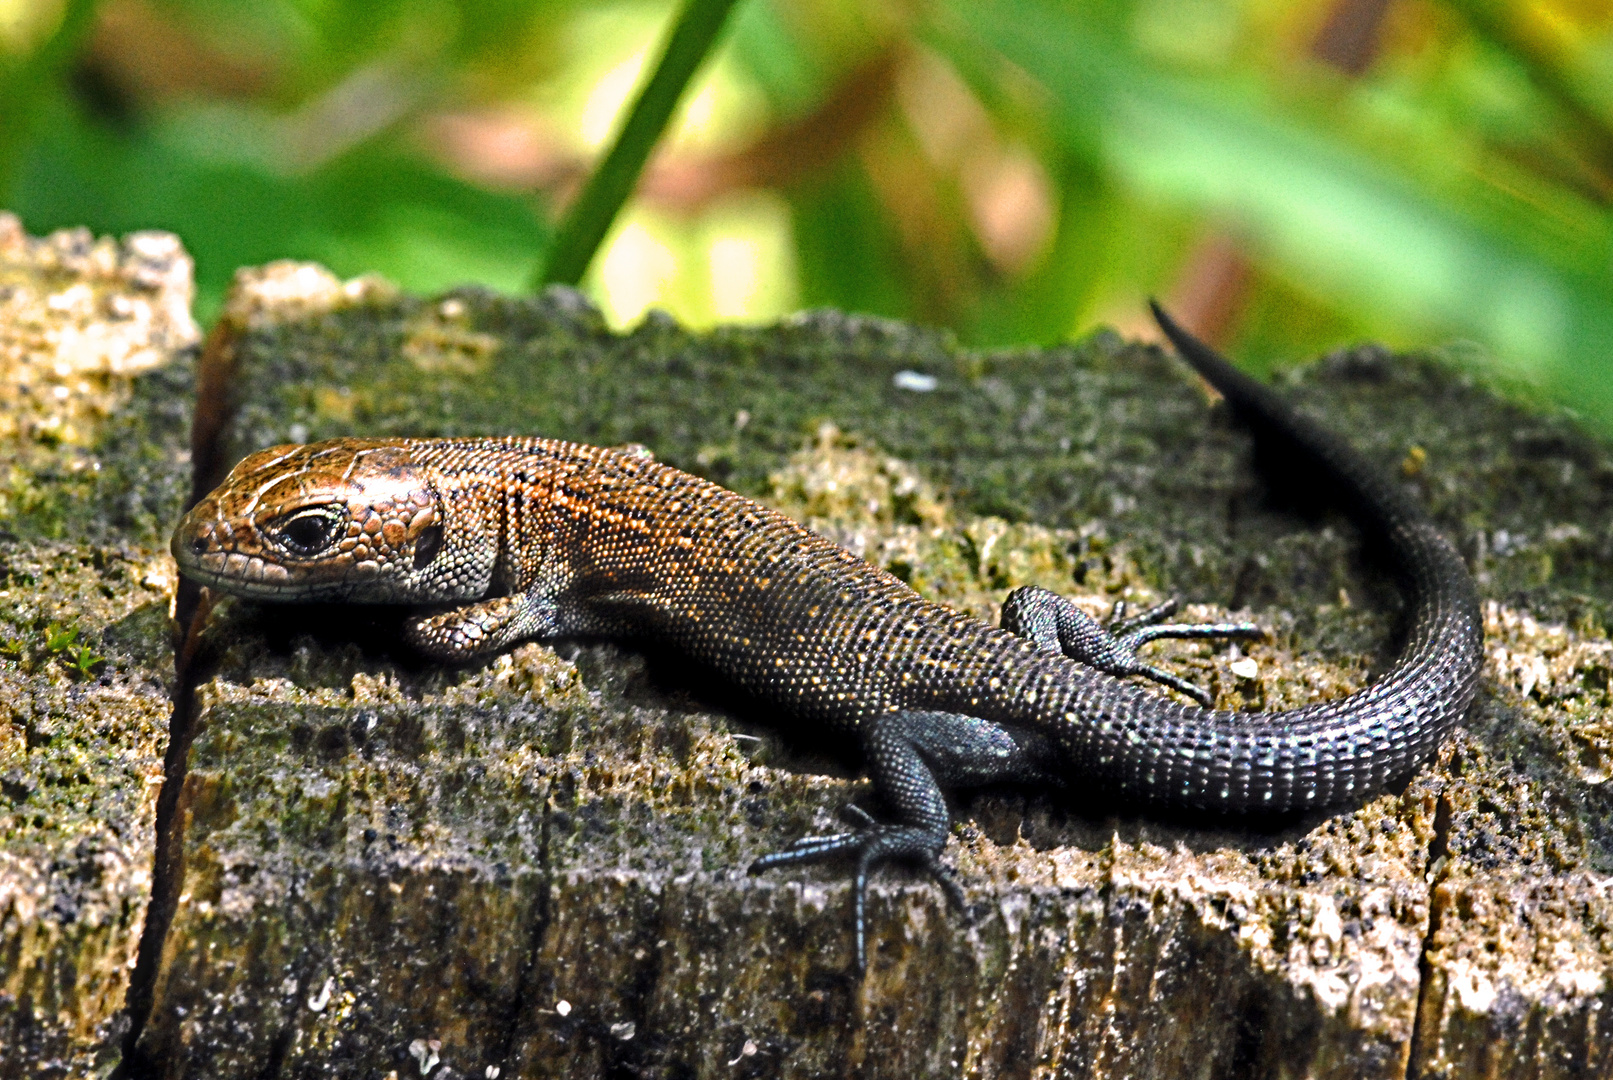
[307, 532]
[427, 546]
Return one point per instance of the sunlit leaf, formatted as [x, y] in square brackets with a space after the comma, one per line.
[1348, 226]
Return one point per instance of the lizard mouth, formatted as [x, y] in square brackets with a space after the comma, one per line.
[206, 550]
[232, 571]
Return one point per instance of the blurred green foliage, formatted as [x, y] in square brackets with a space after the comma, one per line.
[1292, 174]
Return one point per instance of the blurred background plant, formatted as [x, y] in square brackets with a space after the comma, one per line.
[1289, 174]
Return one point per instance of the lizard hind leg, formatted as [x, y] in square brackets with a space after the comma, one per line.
[1054, 623]
[911, 756]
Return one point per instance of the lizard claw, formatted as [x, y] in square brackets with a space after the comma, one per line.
[1131, 634]
[872, 843]
[1119, 625]
[1056, 624]
[947, 878]
[854, 815]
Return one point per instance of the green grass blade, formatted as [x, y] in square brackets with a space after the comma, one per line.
[579, 236]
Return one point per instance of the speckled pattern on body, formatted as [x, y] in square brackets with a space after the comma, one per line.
[514, 538]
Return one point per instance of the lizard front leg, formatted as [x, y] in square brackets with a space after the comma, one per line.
[1057, 625]
[473, 631]
[911, 755]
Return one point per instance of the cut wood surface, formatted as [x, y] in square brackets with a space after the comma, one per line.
[535, 867]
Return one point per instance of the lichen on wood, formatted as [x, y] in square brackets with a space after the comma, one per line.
[537, 864]
[94, 392]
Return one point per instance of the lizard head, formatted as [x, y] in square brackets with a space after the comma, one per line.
[347, 519]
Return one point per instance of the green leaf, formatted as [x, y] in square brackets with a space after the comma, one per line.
[27, 84]
[204, 174]
[1463, 257]
[848, 253]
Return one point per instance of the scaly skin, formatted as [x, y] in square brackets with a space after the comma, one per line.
[514, 538]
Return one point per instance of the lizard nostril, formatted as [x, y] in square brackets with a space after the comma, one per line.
[199, 546]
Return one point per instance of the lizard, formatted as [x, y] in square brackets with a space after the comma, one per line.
[498, 540]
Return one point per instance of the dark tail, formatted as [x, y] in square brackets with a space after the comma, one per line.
[1366, 491]
[1333, 751]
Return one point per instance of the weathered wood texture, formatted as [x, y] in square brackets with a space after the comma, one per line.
[94, 403]
[536, 866]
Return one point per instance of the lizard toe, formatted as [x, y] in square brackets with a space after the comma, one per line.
[871, 846]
